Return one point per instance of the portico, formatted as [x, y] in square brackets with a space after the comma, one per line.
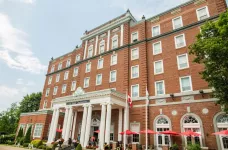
[96, 109]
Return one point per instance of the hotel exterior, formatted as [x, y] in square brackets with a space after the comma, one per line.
[85, 89]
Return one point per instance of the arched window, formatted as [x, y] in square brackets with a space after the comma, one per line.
[222, 124]
[162, 124]
[102, 47]
[190, 122]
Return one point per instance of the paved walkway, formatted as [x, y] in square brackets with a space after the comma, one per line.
[4, 147]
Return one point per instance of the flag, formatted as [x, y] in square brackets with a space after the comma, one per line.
[129, 99]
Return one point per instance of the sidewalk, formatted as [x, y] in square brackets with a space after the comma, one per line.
[4, 147]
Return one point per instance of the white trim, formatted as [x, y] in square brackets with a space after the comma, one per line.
[112, 58]
[54, 93]
[115, 37]
[132, 53]
[136, 131]
[84, 82]
[60, 65]
[49, 80]
[101, 43]
[74, 72]
[110, 76]
[95, 53]
[180, 17]
[155, 27]
[160, 47]
[72, 85]
[176, 40]
[132, 36]
[45, 104]
[121, 34]
[68, 62]
[66, 76]
[89, 63]
[46, 95]
[64, 85]
[178, 65]
[155, 85]
[40, 131]
[137, 92]
[132, 72]
[52, 68]
[198, 18]
[155, 67]
[97, 78]
[79, 55]
[190, 80]
[85, 49]
[90, 48]
[108, 41]
[57, 77]
[102, 63]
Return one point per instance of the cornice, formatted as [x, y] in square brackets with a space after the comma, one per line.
[40, 112]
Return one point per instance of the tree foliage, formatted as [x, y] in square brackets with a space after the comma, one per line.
[28, 135]
[211, 49]
[20, 133]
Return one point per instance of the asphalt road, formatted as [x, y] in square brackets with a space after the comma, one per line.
[3, 147]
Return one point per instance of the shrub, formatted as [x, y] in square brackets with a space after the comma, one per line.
[10, 142]
[20, 133]
[5, 138]
[79, 147]
[174, 147]
[193, 147]
[41, 147]
[36, 143]
[25, 144]
[48, 148]
[28, 135]
[21, 140]
[54, 145]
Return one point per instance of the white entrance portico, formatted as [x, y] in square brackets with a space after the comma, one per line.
[103, 101]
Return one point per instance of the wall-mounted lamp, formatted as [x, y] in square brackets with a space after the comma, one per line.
[172, 96]
[201, 92]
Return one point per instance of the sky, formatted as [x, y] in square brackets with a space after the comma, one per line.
[33, 31]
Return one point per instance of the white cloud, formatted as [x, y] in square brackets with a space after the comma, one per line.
[15, 51]
[8, 92]
[25, 83]
[21, 1]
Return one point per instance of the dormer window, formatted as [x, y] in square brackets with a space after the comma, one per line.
[90, 51]
[134, 37]
[102, 47]
[115, 41]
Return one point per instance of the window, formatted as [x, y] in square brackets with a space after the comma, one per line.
[135, 71]
[27, 127]
[45, 104]
[134, 54]
[86, 82]
[60, 66]
[134, 37]
[22, 126]
[155, 30]
[88, 67]
[100, 63]
[64, 88]
[222, 124]
[57, 78]
[112, 133]
[38, 130]
[75, 72]
[114, 59]
[115, 41]
[157, 48]
[159, 88]
[185, 84]
[158, 67]
[66, 75]
[135, 127]
[99, 79]
[202, 13]
[55, 90]
[182, 61]
[49, 80]
[112, 76]
[177, 22]
[180, 41]
[77, 58]
[90, 51]
[53, 68]
[102, 47]
[47, 92]
[68, 63]
[73, 86]
[135, 90]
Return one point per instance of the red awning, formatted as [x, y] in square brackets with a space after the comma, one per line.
[190, 133]
[224, 132]
[168, 132]
[148, 131]
[58, 130]
[128, 132]
[97, 131]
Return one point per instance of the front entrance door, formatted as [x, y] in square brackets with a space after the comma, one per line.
[95, 134]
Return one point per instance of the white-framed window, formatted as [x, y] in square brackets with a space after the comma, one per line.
[75, 72]
[38, 130]
[177, 22]
[98, 79]
[66, 75]
[134, 53]
[78, 57]
[112, 132]
[112, 76]
[135, 71]
[45, 104]
[222, 124]
[64, 88]
[202, 13]
[73, 86]
[135, 127]
[60, 66]
[113, 59]
[185, 84]
[114, 41]
[47, 92]
[28, 126]
[135, 90]
[102, 47]
[157, 48]
[100, 63]
[57, 77]
[134, 37]
[22, 126]
[155, 30]
[158, 67]
[86, 82]
[182, 61]
[88, 67]
[159, 87]
[52, 68]
[68, 63]
[180, 41]
[55, 90]
[49, 80]
[90, 51]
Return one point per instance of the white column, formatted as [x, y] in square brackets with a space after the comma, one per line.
[126, 123]
[121, 36]
[68, 126]
[96, 45]
[65, 122]
[120, 124]
[85, 49]
[108, 40]
[51, 126]
[55, 125]
[74, 124]
[108, 123]
[82, 135]
[88, 126]
[102, 126]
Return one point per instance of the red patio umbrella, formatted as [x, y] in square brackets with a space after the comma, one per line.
[97, 131]
[148, 131]
[128, 132]
[169, 132]
[190, 133]
[58, 130]
[223, 132]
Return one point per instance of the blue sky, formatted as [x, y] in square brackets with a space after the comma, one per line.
[32, 31]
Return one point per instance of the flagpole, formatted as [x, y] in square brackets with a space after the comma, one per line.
[147, 100]
[125, 120]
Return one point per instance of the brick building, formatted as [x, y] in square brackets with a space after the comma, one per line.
[85, 89]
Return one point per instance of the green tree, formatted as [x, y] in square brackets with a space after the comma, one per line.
[20, 133]
[28, 135]
[211, 49]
